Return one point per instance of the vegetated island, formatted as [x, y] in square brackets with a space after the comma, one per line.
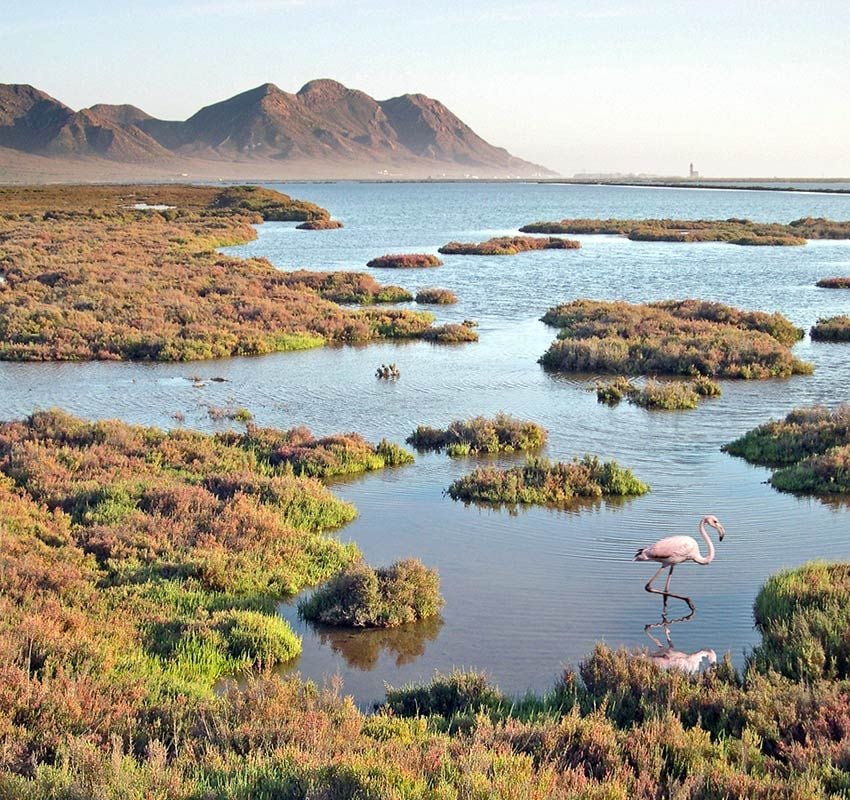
[671, 337]
[666, 395]
[508, 246]
[501, 434]
[138, 567]
[435, 296]
[831, 329]
[842, 282]
[405, 261]
[324, 224]
[732, 231]
[363, 597]
[132, 272]
[810, 449]
[542, 482]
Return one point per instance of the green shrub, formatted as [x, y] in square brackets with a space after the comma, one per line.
[668, 395]
[361, 596]
[803, 616]
[612, 392]
[257, 638]
[804, 432]
[502, 433]
[446, 695]
[542, 482]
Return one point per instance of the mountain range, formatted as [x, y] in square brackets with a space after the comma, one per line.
[323, 130]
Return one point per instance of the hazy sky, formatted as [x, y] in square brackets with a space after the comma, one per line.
[740, 88]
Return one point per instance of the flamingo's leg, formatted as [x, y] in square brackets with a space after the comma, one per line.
[649, 583]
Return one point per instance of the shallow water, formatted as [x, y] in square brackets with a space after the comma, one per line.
[530, 591]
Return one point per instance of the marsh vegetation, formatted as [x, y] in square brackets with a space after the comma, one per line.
[500, 434]
[667, 395]
[673, 337]
[87, 276]
[543, 482]
[732, 230]
[405, 261]
[831, 329]
[810, 449]
[508, 246]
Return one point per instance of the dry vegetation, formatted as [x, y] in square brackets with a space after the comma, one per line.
[673, 337]
[834, 283]
[88, 277]
[438, 297]
[831, 329]
[733, 231]
[508, 246]
[405, 261]
[319, 225]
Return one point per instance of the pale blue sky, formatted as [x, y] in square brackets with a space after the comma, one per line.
[740, 88]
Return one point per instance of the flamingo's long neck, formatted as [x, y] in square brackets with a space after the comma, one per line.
[710, 557]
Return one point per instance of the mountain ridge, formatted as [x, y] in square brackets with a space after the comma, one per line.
[325, 124]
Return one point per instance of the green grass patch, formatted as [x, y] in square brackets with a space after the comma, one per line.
[500, 434]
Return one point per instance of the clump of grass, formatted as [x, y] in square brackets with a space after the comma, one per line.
[500, 434]
[405, 261]
[240, 414]
[733, 230]
[450, 333]
[834, 283]
[831, 329]
[687, 337]
[259, 639]
[804, 432]
[459, 692]
[319, 225]
[705, 387]
[508, 246]
[803, 616]
[442, 297]
[363, 597]
[612, 392]
[667, 395]
[541, 482]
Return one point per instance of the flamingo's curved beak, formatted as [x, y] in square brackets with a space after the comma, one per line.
[721, 531]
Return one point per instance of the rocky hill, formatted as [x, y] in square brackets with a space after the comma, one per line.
[324, 130]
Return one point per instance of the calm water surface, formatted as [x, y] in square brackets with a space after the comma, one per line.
[530, 591]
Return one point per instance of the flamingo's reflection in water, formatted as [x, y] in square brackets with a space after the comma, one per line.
[667, 658]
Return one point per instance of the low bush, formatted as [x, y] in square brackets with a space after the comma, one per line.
[508, 246]
[442, 297]
[450, 333]
[405, 261]
[542, 482]
[834, 283]
[614, 391]
[671, 338]
[831, 329]
[446, 695]
[803, 616]
[319, 225]
[824, 473]
[363, 597]
[804, 432]
[502, 433]
[346, 287]
[667, 395]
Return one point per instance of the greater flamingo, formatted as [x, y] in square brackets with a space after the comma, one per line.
[674, 550]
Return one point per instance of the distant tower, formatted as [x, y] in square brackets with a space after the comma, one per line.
[692, 173]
